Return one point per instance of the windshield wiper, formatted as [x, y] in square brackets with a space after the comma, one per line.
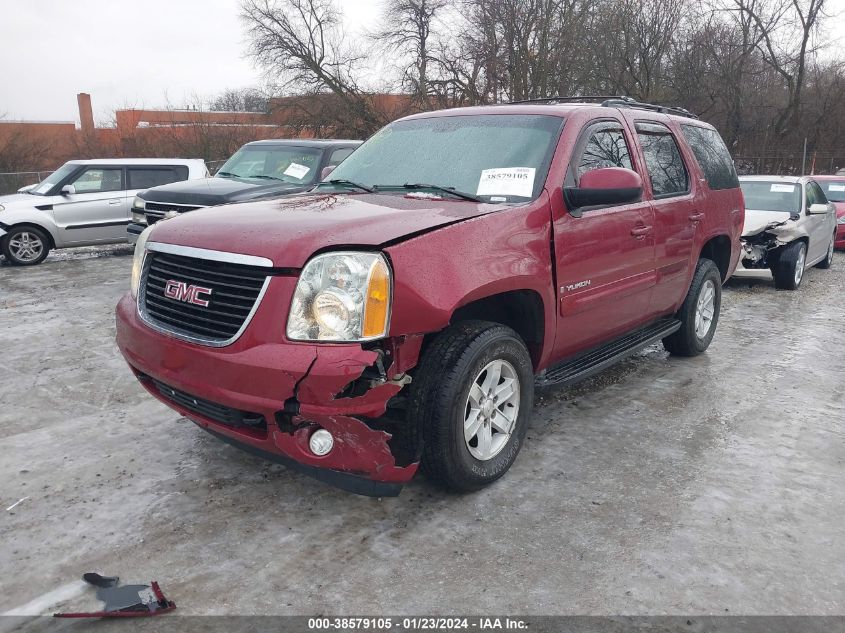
[449, 190]
[264, 177]
[353, 185]
[227, 174]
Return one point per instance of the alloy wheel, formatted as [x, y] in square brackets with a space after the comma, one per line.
[491, 410]
[26, 246]
[705, 309]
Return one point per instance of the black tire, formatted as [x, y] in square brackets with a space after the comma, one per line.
[439, 402]
[827, 262]
[12, 252]
[686, 341]
[786, 273]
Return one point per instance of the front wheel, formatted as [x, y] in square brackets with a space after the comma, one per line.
[472, 397]
[25, 246]
[699, 313]
[789, 270]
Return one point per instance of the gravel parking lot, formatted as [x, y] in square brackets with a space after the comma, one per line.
[711, 485]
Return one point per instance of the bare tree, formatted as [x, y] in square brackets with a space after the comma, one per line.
[239, 100]
[406, 30]
[302, 45]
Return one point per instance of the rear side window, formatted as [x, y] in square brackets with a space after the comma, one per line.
[712, 156]
[663, 160]
[146, 177]
[606, 147]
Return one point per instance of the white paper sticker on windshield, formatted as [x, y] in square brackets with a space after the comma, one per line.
[836, 188]
[507, 181]
[782, 188]
[296, 170]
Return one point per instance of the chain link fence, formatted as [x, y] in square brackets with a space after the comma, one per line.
[11, 181]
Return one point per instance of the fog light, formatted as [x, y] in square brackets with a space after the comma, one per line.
[321, 442]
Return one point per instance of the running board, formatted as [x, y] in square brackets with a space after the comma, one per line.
[599, 358]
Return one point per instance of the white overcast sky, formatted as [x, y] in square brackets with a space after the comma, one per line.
[147, 53]
[125, 53]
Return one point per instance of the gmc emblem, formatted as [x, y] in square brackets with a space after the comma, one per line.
[181, 291]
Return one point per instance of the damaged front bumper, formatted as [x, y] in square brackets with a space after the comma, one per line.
[760, 248]
[268, 398]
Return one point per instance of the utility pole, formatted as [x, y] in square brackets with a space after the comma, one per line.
[804, 159]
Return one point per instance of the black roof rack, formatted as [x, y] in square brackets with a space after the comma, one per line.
[614, 101]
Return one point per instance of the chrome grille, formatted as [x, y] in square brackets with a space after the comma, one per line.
[232, 291]
[155, 211]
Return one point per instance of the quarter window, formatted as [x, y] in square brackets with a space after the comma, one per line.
[606, 147]
[663, 160]
[98, 180]
[339, 155]
[712, 156]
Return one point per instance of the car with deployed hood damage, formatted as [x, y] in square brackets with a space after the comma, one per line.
[789, 227]
[403, 311]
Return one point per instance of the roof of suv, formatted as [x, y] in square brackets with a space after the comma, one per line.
[306, 142]
[562, 110]
[137, 161]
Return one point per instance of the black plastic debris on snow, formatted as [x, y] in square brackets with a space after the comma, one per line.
[123, 600]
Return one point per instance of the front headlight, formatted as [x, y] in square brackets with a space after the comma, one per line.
[138, 261]
[839, 221]
[139, 203]
[341, 296]
[139, 218]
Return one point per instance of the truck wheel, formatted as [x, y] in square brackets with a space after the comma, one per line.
[790, 267]
[25, 245]
[828, 260]
[699, 312]
[472, 398]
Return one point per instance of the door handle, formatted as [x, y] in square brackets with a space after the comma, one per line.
[640, 232]
[696, 217]
[114, 201]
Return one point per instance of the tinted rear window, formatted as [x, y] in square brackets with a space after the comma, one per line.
[712, 156]
[146, 177]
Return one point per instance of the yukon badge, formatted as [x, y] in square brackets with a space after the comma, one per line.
[181, 291]
[576, 286]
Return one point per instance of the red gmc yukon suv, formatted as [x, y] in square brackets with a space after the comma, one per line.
[403, 311]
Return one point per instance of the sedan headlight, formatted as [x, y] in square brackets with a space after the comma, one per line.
[139, 203]
[342, 296]
[840, 220]
[138, 261]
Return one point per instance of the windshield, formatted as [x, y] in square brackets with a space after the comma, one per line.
[287, 163]
[497, 157]
[53, 179]
[763, 195]
[834, 189]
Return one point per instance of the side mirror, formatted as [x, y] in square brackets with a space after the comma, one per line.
[605, 186]
[68, 190]
[819, 209]
[326, 171]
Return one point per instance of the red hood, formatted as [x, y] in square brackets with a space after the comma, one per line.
[289, 230]
[840, 209]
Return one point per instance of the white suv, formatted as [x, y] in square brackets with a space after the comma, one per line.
[84, 202]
